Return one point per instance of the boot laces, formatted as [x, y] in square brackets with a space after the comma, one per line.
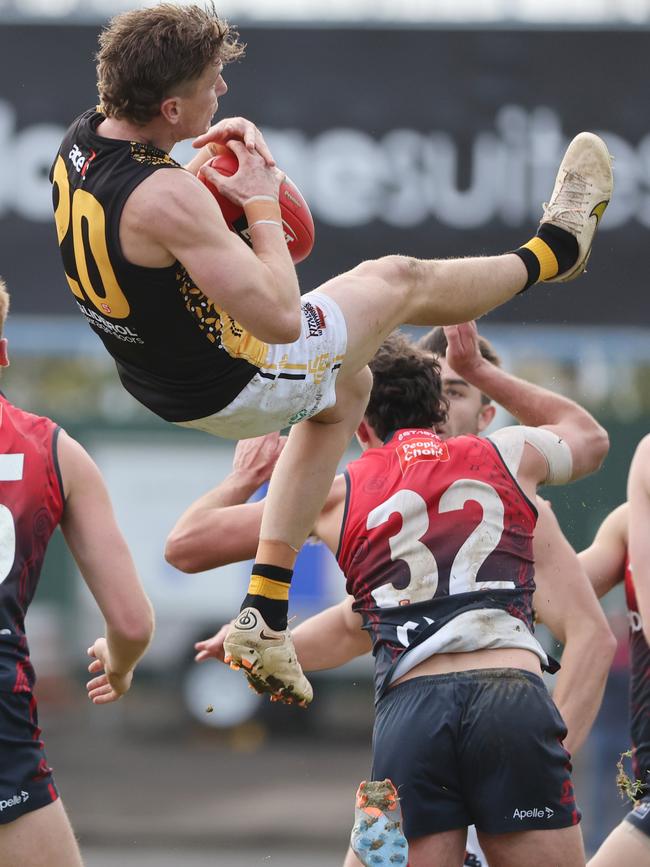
[567, 207]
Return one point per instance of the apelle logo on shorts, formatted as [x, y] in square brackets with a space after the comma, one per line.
[18, 798]
[535, 813]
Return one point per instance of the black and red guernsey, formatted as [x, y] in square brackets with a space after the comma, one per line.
[639, 685]
[31, 506]
[434, 530]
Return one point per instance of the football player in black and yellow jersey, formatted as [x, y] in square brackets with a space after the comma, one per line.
[212, 334]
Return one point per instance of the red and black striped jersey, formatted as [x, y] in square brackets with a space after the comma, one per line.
[433, 530]
[31, 506]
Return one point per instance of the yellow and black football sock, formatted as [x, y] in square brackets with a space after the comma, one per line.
[268, 591]
[551, 252]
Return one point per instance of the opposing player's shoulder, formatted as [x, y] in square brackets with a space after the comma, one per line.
[552, 449]
[76, 466]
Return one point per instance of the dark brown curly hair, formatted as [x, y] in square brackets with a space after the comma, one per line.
[145, 53]
[406, 390]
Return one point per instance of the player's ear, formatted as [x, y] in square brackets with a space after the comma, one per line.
[4, 354]
[486, 416]
[170, 110]
[363, 435]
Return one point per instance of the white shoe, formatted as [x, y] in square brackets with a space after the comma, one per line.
[268, 658]
[582, 191]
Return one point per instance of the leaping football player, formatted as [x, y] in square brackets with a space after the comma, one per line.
[211, 334]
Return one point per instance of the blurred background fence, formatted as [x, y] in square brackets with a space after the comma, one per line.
[434, 134]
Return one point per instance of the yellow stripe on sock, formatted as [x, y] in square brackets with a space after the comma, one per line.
[548, 266]
[260, 586]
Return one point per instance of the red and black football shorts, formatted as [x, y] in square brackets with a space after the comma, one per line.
[26, 781]
[480, 747]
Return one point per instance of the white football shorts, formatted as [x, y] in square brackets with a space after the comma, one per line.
[296, 381]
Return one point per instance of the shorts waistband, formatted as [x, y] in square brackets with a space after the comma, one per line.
[478, 675]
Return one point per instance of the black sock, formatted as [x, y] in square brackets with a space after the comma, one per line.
[268, 591]
[551, 252]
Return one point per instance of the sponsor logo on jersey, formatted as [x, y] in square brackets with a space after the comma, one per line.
[121, 332]
[535, 813]
[80, 160]
[315, 320]
[426, 448]
[642, 809]
[18, 798]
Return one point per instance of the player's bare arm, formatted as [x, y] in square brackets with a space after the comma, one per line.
[331, 638]
[105, 562]
[171, 216]
[604, 559]
[221, 527]
[532, 405]
[566, 604]
[638, 495]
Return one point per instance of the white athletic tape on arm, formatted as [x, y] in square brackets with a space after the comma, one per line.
[511, 441]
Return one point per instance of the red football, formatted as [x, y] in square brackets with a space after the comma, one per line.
[297, 220]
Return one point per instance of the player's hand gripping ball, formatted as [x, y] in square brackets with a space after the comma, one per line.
[297, 220]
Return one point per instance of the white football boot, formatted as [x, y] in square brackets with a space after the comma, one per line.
[268, 659]
[582, 191]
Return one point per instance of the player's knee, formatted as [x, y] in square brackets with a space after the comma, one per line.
[401, 273]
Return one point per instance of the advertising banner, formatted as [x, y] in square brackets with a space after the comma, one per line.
[432, 143]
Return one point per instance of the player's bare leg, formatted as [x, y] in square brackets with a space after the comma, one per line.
[42, 838]
[625, 845]
[377, 297]
[561, 848]
[444, 850]
[256, 643]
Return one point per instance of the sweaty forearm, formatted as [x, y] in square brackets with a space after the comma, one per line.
[235, 489]
[530, 404]
[267, 236]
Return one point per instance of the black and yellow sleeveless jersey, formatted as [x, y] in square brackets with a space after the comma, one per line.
[175, 351]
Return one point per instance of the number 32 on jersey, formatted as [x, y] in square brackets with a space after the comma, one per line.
[406, 544]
